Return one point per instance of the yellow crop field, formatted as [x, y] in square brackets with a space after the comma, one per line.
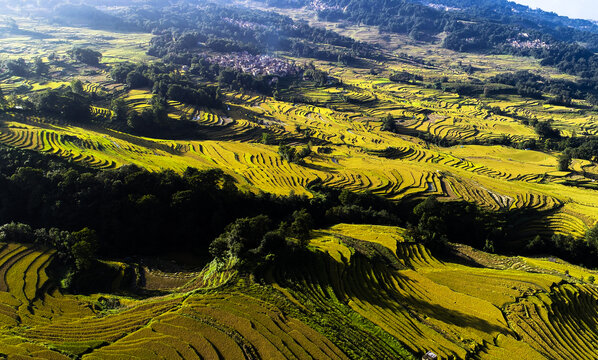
[50, 325]
[367, 291]
[492, 176]
[422, 302]
[451, 309]
[561, 267]
[115, 46]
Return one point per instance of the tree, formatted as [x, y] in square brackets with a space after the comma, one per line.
[287, 152]
[389, 124]
[489, 246]
[84, 248]
[537, 243]
[16, 233]
[86, 56]
[431, 229]
[18, 67]
[271, 243]
[136, 121]
[545, 130]
[592, 237]
[120, 109]
[3, 101]
[135, 79]
[120, 71]
[303, 153]
[404, 77]
[301, 226]
[267, 138]
[77, 87]
[40, 67]
[565, 160]
[64, 104]
[240, 238]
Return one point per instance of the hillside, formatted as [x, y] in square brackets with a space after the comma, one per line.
[286, 179]
[394, 289]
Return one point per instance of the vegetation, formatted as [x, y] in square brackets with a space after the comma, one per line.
[284, 185]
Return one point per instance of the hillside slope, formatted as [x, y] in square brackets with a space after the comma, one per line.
[367, 293]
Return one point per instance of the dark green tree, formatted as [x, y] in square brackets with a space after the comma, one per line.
[120, 110]
[84, 248]
[389, 124]
[3, 101]
[86, 56]
[287, 152]
[40, 67]
[565, 160]
[240, 238]
[16, 233]
[301, 226]
[545, 130]
[592, 237]
[18, 67]
[77, 87]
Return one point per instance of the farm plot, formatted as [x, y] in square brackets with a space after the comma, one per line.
[23, 271]
[415, 171]
[107, 329]
[560, 324]
[422, 302]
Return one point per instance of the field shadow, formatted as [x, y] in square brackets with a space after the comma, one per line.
[371, 280]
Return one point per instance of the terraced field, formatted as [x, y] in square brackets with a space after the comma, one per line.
[454, 310]
[343, 122]
[40, 322]
[231, 326]
[368, 292]
[362, 158]
[386, 291]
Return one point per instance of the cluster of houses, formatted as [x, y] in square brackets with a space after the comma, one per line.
[256, 64]
[524, 42]
[244, 24]
[442, 7]
[319, 5]
[529, 44]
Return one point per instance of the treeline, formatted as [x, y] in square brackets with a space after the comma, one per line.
[73, 105]
[38, 67]
[134, 211]
[23, 68]
[165, 81]
[70, 104]
[527, 84]
[550, 139]
[422, 21]
[75, 15]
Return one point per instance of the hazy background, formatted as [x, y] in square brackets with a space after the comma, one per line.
[583, 9]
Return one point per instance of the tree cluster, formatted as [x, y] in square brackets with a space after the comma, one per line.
[86, 56]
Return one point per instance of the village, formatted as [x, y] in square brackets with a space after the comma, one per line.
[256, 64]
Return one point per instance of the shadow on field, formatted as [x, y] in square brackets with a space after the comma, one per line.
[370, 279]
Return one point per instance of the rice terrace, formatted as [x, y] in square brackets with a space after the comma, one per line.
[293, 179]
